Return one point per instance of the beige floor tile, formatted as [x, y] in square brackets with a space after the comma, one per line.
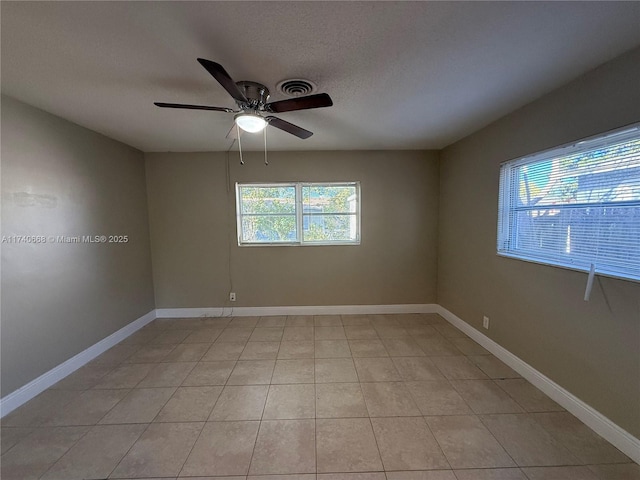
[224, 351]
[352, 476]
[527, 442]
[437, 397]
[327, 321]
[346, 445]
[288, 402]
[559, 473]
[584, 443]
[296, 349]
[390, 331]
[484, 396]
[416, 369]
[209, 373]
[405, 443]
[402, 347]
[299, 321]
[260, 351]
[235, 334]
[171, 337]
[214, 322]
[223, 448]
[10, 436]
[335, 370]
[332, 349]
[285, 446]
[296, 334]
[188, 352]
[628, 471]
[368, 348]
[528, 396]
[381, 320]
[273, 321]
[360, 332]
[33, 456]
[84, 378]
[423, 331]
[329, 333]
[340, 400]
[240, 403]
[468, 346]
[458, 368]
[294, 371]
[87, 409]
[39, 409]
[160, 451]
[252, 372]
[243, 322]
[97, 453]
[189, 404]
[261, 334]
[389, 399]
[115, 355]
[422, 475]
[151, 353]
[290, 476]
[125, 376]
[467, 443]
[139, 406]
[449, 331]
[167, 375]
[356, 320]
[493, 367]
[203, 335]
[491, 474]
[436, 346]
[376, 370]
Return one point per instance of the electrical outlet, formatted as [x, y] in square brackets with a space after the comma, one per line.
[485, 322]
[232, 296]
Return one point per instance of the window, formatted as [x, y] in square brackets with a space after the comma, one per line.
[298, 213]
[575, 206]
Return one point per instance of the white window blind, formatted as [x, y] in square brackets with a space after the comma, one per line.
[575, 206]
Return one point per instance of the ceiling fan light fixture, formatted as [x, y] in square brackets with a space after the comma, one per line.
[250, 122]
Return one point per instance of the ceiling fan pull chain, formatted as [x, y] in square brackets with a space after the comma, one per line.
[239, 144]
[265, 147]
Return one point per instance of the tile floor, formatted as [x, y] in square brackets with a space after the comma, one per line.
[359, 397]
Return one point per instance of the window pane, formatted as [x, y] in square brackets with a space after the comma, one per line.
[329, 199]
[258, 199]
[575, 209]
[327, 228]
[269, 228]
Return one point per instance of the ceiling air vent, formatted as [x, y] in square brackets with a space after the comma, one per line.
[296, 87]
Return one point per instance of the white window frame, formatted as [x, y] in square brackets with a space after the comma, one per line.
[507, 226]
[299, 213]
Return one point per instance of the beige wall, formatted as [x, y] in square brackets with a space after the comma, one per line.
[195, 251]
[62, 179]
[537, 312]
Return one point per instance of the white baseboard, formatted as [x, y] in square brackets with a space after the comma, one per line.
[295, 310]
[617, 436]
[25, 393]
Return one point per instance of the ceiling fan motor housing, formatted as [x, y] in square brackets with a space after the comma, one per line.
[256, 93]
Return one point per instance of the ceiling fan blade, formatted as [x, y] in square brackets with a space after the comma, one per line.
[192, 107]
[218, 72]
[289, 127]
[301, 103]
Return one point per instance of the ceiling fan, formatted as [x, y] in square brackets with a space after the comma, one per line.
[253, 110]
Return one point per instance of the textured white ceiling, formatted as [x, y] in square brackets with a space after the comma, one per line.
[403, 75]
